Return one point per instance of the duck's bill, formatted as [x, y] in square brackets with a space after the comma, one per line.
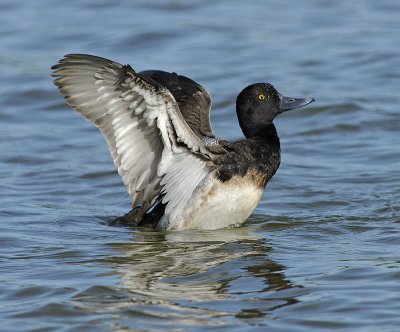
[289, 103]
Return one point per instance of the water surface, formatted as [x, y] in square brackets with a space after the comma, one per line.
[322, 250]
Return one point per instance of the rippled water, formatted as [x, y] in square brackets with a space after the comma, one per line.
[321, 252]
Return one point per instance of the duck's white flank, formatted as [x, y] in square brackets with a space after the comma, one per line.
[217, 205]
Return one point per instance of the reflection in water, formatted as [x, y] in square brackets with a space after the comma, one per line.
[193, 276]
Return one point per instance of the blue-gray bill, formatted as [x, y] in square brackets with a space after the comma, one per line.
[289, 103]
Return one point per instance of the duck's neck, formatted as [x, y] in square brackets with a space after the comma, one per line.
[265, 132]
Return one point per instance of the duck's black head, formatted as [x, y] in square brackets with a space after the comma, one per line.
[258, 104]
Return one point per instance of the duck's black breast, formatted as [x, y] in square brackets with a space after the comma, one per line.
[254, 156]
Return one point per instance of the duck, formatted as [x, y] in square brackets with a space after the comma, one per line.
[179, 174]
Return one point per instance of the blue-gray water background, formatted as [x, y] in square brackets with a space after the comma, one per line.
[321, 252]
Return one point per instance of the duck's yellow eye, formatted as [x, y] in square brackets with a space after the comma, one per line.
[261, 96]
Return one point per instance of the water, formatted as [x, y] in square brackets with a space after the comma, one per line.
[322, 250]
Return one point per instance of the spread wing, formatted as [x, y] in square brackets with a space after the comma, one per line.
[154, 148]
[194, 101]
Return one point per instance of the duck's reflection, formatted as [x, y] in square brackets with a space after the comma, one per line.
[223, 272]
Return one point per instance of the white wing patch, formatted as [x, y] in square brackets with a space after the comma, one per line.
[143, 127]
[186, 170]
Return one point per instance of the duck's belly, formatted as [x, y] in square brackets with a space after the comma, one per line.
[218, 205]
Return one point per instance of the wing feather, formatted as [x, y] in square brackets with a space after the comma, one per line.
[194, 101]
[153, 147]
